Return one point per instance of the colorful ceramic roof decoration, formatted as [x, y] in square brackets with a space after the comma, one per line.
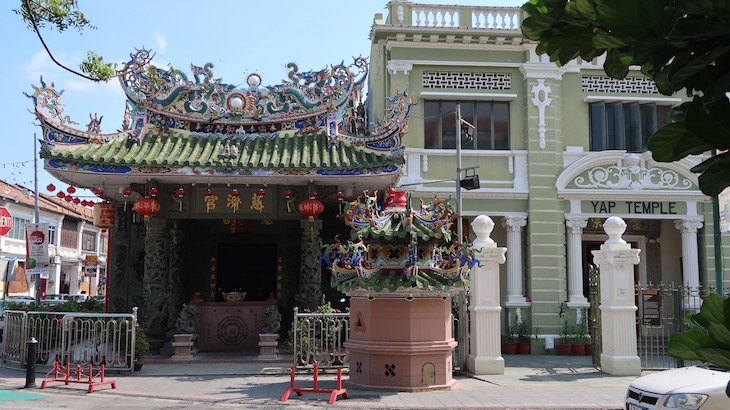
[396, 247]
[314, 122]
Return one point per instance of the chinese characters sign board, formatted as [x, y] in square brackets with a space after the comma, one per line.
[104, 215]
[224, 201]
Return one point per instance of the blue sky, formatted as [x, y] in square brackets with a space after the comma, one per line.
[238, 37]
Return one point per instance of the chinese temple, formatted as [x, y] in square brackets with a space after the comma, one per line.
[400, 269]
[218, 189]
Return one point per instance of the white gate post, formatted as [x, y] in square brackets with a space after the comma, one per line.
[616, 261]
[485, 342]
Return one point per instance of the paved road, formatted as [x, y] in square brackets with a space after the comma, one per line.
[529, 382]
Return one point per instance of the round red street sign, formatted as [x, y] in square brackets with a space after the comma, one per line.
[6, 221]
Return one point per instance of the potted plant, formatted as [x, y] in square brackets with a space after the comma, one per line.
[524, 335]
[581, 337]
[564, 345]
[510, 338]
[141, 347]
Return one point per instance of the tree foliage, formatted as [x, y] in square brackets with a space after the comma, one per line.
[710, 342]
[679, 44]
[62, 15]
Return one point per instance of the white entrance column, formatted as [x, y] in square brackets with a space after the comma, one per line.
[485, 343]
[690, 259]
[515, 293]
[575, 225]
[616, 261]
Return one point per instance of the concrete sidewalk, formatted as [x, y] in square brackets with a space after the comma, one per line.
[529, 382]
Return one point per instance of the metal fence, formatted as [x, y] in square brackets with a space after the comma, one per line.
[319, 338]
[594, 314]
[661, 311]
[78, 338]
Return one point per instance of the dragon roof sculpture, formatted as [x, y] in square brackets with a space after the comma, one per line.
[396, 247]
[305, 101]
[313, 125]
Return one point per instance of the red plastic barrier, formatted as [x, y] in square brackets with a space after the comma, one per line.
[300, 390]
[59, 375]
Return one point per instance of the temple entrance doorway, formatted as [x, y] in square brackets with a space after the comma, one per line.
[247, 267]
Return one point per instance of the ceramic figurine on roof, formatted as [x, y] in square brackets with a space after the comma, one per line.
[311, 128]
[399, 248]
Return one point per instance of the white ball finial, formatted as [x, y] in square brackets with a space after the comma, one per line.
[614, 227]
[483, 227]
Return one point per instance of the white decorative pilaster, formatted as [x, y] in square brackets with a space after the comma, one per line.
[575, 225]
[541, 99]
[616, 261]
[485, 355]
[515, 292]
[690, 258]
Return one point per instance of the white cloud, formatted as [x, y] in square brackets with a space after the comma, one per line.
[161, 41]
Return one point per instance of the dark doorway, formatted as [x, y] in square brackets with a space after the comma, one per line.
[247, 267]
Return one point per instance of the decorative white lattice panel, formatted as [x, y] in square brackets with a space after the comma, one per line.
[469, 81]
[604, 84]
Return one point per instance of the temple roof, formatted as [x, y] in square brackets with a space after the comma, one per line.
[310, 130]
[215, 153]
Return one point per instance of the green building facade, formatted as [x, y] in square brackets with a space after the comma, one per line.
[558, 150]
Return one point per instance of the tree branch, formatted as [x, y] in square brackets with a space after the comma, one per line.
[37, 31]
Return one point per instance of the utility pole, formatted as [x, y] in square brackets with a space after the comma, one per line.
[36, 214]
[463, 313]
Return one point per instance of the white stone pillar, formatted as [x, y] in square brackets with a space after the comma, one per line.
[575, 225]
[515, 292]
[690, 259]
[485, 342]
[616, 261]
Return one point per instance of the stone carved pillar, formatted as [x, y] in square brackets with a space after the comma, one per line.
[575, 226]
[310, 275]
[515, 293]
[616, 261]
[155, 281]
[485, 355]
[175, 265]
[690, 259]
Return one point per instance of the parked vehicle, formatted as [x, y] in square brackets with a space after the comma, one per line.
[693, 387]
[79, 298]
[54, 299]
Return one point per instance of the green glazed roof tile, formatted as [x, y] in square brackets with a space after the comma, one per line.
[175, 148]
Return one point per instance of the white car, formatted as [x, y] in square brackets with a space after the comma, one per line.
[693, 387]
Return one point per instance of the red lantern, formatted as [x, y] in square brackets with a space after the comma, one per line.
[51, 187]
[261, 192]
[146, 206]
[126, 192]
[76, 201]
[181, 194]
[235, 193]
[208, 192]
[153, 192]
[68, 198]
[70, 190]
[60, 195]
[98, 191]
[310, 208]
